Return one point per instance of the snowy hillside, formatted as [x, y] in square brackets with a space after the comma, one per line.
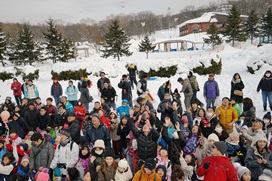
[233, 60]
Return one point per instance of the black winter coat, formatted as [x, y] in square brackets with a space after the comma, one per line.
[93, 134]
[108, 94]
[126, 90]
[206, 131]
[44, 121]
[123, 134]
[100, 83]
[147, 144]
[236, 86]
[265, 84]
[74, 129]
[18, 126]
[31, 120]
[60, 119]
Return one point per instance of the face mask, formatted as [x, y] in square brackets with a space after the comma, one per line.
[209, 114]
[266, 121]
[79, 103]
[218, 130]
[99, 152]
[267, 75]
[175, 135]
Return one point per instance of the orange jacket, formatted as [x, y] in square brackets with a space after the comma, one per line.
[227, 115]
[142, 176]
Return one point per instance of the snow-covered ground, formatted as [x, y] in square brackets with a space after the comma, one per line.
[233, 60]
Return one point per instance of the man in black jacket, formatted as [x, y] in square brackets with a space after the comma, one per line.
[125, 85]
[132, 70]
[31, 118]
[74, 127]
[101, 81]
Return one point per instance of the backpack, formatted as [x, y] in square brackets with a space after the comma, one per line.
[71, 145]
[194, 84]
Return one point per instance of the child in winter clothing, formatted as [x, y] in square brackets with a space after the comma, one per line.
[14, 137]
[123, 172]
[114, 121]
[243, 173]
[161, 171]
[212, 138]
[6, 166]
[3, 150]
[187, 165]
[162, 159]
[192, 139]
[108, 167]
[23, 167]
[233, 147]
[84, 157]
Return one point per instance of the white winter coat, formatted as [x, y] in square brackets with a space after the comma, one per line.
[126, 176]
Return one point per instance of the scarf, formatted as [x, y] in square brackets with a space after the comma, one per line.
[56, 84]
[84, 157]
[236, 81]
[64, 143]
[170, 131]
[13, 138]
[24, 169]
[246, 108]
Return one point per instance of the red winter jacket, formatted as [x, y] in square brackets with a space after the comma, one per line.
[16, 87]
[80, 112]
[220, 169]
[105, 121]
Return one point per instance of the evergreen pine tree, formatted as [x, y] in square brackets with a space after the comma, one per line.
[267, 24]
[233, 28]
[3, 46]
[26, 51]
[146, 46]
[53, 43]
[116, 42]
[251, 26]
[67, 50]
[214, 38]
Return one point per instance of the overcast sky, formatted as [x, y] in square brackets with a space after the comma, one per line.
[38, 11]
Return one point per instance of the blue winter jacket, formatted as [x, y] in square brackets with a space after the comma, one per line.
[71, 89]
[211, 89]
[121, 110]
[56, 91]
[2, 152]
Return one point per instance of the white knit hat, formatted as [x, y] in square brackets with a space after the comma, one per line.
[213, 137]
[266, 176]
[259, 137]
[241, 171]
[25, 158]
[123, 164]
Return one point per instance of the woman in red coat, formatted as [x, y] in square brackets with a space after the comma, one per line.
[17, 92]
[80, 112]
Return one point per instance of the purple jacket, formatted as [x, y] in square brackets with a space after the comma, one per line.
[211, 89]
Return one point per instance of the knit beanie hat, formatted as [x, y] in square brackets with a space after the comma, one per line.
[267, 116]
[24, 145]
[65, 132]
[161, 167]
[109, 153]
[25, 158]
[266, 176]
[123, 164]
[259, 137]
[96, 115]
[241, 171]
[99, 144]
[221, 146]
[213, 137]
[43, 176]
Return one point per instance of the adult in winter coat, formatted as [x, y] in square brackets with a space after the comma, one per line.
[142, 85]
[31, 118]
[147, 172]
[258, 157]
[31, 91]
[217, 167]
[56, 90]
[249, 112]
[71, 91]
[17, 92]
[68, 106]
[109, 93]
[44, 118]
[73, 127]
[39, 158]
[96, 131]
[165, 107]
[17, 123]
[66, 154]
[124, 109]
[265, 85]
[237, 85]
[123, 131]
[226, 114]
[85, 95]
[132, 70]
[146, 141]
[195, 88]
[210, 91]
[187, 90]
[50, 109]
[101, 81]
[24, 87]
[9, 104]
[61, 118]
[125, 85]
[165, 88]
[208, 126]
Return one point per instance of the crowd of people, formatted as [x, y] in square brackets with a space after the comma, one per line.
[135, 141]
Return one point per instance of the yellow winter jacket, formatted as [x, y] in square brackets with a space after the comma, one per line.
[226, 116]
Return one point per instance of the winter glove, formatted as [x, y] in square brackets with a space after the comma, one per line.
[206, 165]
